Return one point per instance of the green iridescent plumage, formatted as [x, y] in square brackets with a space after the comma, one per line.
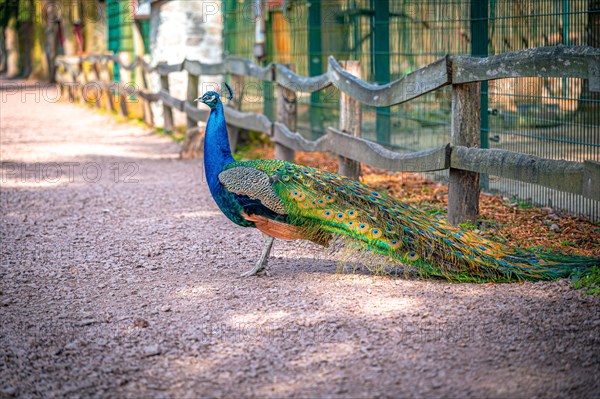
[290, 201]
[324, 203]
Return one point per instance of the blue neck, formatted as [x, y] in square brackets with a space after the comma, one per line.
[217, 153]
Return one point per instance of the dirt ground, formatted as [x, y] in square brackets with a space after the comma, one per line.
[119, 278]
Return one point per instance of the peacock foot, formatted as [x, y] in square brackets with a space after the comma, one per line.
[260, 269]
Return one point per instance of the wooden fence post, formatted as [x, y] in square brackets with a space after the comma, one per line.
[192, 94]
[167, 111]
[123, 96]
[72, 88]
[110, 103]
[147, 108]
[463, 186]
[192, 147]
[237, 83]
[81, 82]
[287, 113]
[350, 122]
[99, 82]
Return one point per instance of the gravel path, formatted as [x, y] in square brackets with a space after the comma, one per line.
[119, 278]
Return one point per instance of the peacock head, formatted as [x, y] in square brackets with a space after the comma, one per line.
[212, 98]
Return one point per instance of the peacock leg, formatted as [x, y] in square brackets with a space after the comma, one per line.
[264, 258]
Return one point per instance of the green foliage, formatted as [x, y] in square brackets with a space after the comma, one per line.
[568, 243]
[520, 203]
[176, 135]
[432, 208]
[468, 225]
[590, 281]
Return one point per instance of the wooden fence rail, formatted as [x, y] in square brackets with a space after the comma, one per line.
[463, 157]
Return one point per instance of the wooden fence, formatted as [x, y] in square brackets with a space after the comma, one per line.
[462, 156]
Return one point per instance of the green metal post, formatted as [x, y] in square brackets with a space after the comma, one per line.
[268, 88]
[479, 48]
[114, 32]
[565, 34]
[381, 61]
[565, 22]
[315, 61]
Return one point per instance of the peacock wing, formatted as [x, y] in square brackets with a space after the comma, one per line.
[252, 183]
[253, 190]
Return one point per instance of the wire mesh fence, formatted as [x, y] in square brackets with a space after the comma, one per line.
[549, 117]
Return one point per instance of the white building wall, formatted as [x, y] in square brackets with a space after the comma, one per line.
[183, 29]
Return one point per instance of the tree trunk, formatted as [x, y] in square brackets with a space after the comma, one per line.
[26, 34]
[51, 40]
[3, 56]
[12, 49]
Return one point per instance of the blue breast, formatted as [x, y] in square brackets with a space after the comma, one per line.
[217, 155]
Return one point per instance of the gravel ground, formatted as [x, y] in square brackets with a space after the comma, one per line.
[119, 278]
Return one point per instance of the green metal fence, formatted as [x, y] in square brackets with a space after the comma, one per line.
[120, 18]
[549, 117]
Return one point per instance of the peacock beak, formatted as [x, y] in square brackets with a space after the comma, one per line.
[198, 99]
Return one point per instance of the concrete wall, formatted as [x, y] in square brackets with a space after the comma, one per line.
[182, 29]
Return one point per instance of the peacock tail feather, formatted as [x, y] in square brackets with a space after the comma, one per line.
[323, 203]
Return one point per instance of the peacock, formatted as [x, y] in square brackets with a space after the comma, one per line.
[290, 202]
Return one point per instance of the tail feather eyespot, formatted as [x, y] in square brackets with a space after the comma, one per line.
[412, 255]
[394, 244]
[363, 227]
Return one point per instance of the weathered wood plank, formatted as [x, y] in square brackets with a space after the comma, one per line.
[365, 151]
[295, 141]
[170, 100]
[195, 113]
[591, 180]
[415, 84]
[350, 122]
[287, 113]
[463, 185]
[248, 120]
[165, 69]
[245, 67]
[376, 155]
[197, 68]
[554, 61]
[285, 77]
[560, 175]
[148, 95]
